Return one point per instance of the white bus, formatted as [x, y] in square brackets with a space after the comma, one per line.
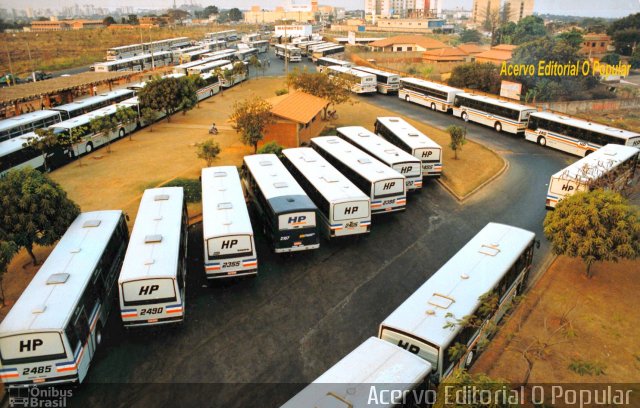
[288, 51]
[287, 214]
[28, 122]
[411, 140]
[386, 82]
[399, 160]
[305, 45]
[358, 82]
[229, 247]
[575, 136]
[167, 45]
[435, 96]
[230, 36]
[323, 63]
[494, 263]
[384, 186]
[228, 78]
[376, 366]
[52, 331]
[189, 56]
[184, 68]
[151, 284]
[207, 67]
[335, 51]
[245, 55]
[89, 140]
[342, 208]
[80, 107]
[261, 45]
[14, 155]
[613, 164]
[124, 51]
[500, 115]
[139, 63]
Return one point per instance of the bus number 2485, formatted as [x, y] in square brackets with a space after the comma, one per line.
[36, 370]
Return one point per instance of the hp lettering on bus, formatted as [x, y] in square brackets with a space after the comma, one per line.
[427, 153]
[412, 348]
[297, 220]
[30, 345]
[389, 185]
[351, 210]
[228, 244]
[148, 290]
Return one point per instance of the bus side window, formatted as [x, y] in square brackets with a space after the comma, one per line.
[81, 326]
[72, 337]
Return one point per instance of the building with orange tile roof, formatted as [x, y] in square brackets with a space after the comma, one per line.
[497, 55]
[472, 48]
[298, 118]
[407, 43]
[448, 54]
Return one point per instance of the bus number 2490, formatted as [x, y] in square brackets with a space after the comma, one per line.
[151, 311]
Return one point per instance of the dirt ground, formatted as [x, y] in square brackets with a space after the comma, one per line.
[590, 322]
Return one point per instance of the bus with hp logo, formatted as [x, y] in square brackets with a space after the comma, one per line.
[480, 281]
[229, 247]
[399, 160]
[385, 187]
[287, 213]
[399, 132]
[52, 332]
[152, 279]
[343, 209]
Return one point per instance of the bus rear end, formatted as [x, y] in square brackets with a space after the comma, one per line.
[431, 161]
[413, 344]
[147, 302]
[230, 256]
[350, 218]
[37, 358]
[297, 231]
[559, 188]
[412, 173]
[389, 195]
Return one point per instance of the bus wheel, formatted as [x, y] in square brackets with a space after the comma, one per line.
[542, 141]
[121, 133]
[89, 147]
[470, 359]
[406, 98]
[498, 127]
[99, 334]
[433, 107]
[465, 117]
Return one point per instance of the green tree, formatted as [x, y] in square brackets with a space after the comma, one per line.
[235, 14]
[126, 116]
[148, 117]
[107, 21]
[251, 118]
[177, 15]
[103, 126]
[529, 29]
[133, 19]
[482, 76]
[335, 90]
[574, 38]
[635, 58]
[596, 226]
[208, 151]
[611, 59]
[255, 62]
[8, 249]
[625, 34]
[458, 136]
[165, 95]
[271, 147]
[70, 140]
[188, 94]
[473, 387]
[209, 10]
[470, 36]
[45, 142]
[33, 209]
[505, 33]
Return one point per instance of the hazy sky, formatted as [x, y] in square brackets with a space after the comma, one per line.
[591, 8]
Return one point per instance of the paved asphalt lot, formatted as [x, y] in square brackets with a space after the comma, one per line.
[257, 341]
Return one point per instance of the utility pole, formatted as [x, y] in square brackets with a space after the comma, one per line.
[33, 69]
[11, 77]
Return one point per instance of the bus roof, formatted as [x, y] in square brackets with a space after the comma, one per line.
[195, 63]
[124, 47]
[583, 124]
[411, 136]
[49, 300]
[210, 65]
[246, 50]
[155, 239]
[224, 210]
[381, 149]
[199, 51]
[328, 47]
[433, 85]
[14, 144]
[272, 177]
[350, 71]
[499, 102]
[132, 59]
[375, 71]
[85, 118]
[26, 118]
[332, 184]
[335, 61]
[80, 104]
[362, 163]
[455, 288]
[597, 163]
[349, 381]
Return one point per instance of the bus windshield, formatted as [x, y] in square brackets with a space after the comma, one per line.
[229, 246]
[389, 187]
[351, 210]
[30, 347]
[148, 291]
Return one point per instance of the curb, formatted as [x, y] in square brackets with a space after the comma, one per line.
[505, 166]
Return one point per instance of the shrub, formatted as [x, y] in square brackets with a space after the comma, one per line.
[192, 190]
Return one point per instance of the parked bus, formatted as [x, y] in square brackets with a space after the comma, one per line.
[399, 160]
[233, 78]
[384, 186]
[358, 82]
[184, 68]
[261, 45]
[390, 372]
[87, 105]
[26, 123]
[51, 333]
[435, 96]
[288, 51]
[207, 67]
[611, 166]
[386, 82]
[305, 45]
[167, 44]
[151, 284]
[190, 56]
[494, 263]
[14, 155]
[335, 51]
[124, 51]
[226, 54]
[342, 208]
[287, 214]
[399, 132]
[575, 136]
[230, 36]
[89, 140]
[245, 55]
[139, 63]
[500, 115]
[229, 247]
[323, 63]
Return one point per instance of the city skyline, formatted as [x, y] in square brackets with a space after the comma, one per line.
[584, 8]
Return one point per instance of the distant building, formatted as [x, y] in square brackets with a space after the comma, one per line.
[65, 25]
[258, 15]
[426, 25]
[595, 44]
[146, 22]
[298, 118]
[483, 10]
[375, 9]
[516, 10]
[407, 43]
